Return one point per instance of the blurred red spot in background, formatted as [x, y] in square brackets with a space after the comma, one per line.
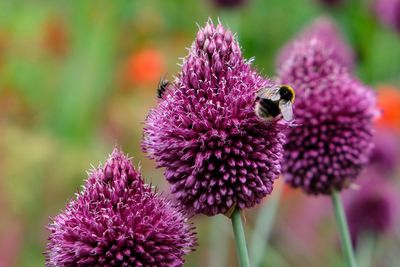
[389, 103]
[55, 39]
[145, 66]
[4, 45]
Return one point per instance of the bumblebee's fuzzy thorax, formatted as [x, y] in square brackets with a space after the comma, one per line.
[287, 93]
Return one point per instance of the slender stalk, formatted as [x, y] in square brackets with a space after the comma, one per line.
[240, 239]
[365, 250]
[219, 242]
[274, 258]
[262, 230]
[343, 229]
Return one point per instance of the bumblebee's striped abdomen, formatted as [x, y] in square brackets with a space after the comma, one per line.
[271, 107]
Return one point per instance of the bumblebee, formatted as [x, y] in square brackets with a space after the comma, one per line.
[271, 102]
[162, 87]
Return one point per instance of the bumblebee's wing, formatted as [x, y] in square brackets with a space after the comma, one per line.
[271, 93]
[286, 110]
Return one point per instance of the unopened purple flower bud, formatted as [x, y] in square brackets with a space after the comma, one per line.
[200, 38]
[228, 36]
[219, 41]
[211, 47]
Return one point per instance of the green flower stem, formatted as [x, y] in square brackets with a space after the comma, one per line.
[365, 250]
[343, 229]
[219, 243]
[263, 227]
[240, 239]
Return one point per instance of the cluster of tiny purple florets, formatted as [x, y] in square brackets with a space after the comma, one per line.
[373, 209]
[215, 150]
[385, 155]
[388, 12]
[328, 35]
[118, 221]
[334, 113]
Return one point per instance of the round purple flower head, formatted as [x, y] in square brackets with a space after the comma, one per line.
[385, 155]
[229, 3]
[216, 152]
[118, 221]
[325, 30]
[331, 3]
[334, 113]
[388, 12]
[372, 210]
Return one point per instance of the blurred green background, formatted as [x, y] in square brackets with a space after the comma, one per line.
[78, 77]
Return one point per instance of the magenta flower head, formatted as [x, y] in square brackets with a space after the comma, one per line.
[215, 150]
[118, 221]
[229, 4]
[327, 33]
[334, 113]
[373, 209]
[388, 13]
[331, 3]
[386, 152]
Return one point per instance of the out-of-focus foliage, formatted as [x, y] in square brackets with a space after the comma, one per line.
[78, 77]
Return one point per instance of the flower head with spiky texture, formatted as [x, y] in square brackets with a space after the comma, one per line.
[335, 114]
[325, 30]
[216, 151]
[117, 220]
[373, 209]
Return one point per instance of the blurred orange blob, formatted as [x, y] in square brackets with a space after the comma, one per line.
[55, 39]
[389, 103]
[4, 45]
[145, 66]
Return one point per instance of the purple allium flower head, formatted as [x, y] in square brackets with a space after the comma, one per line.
[385, 155]
[331, 3]
[229, 3]
[388, 12]
[325, 30]
[117, 220]
[372, 209]
[216, 151]
[335, 115]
